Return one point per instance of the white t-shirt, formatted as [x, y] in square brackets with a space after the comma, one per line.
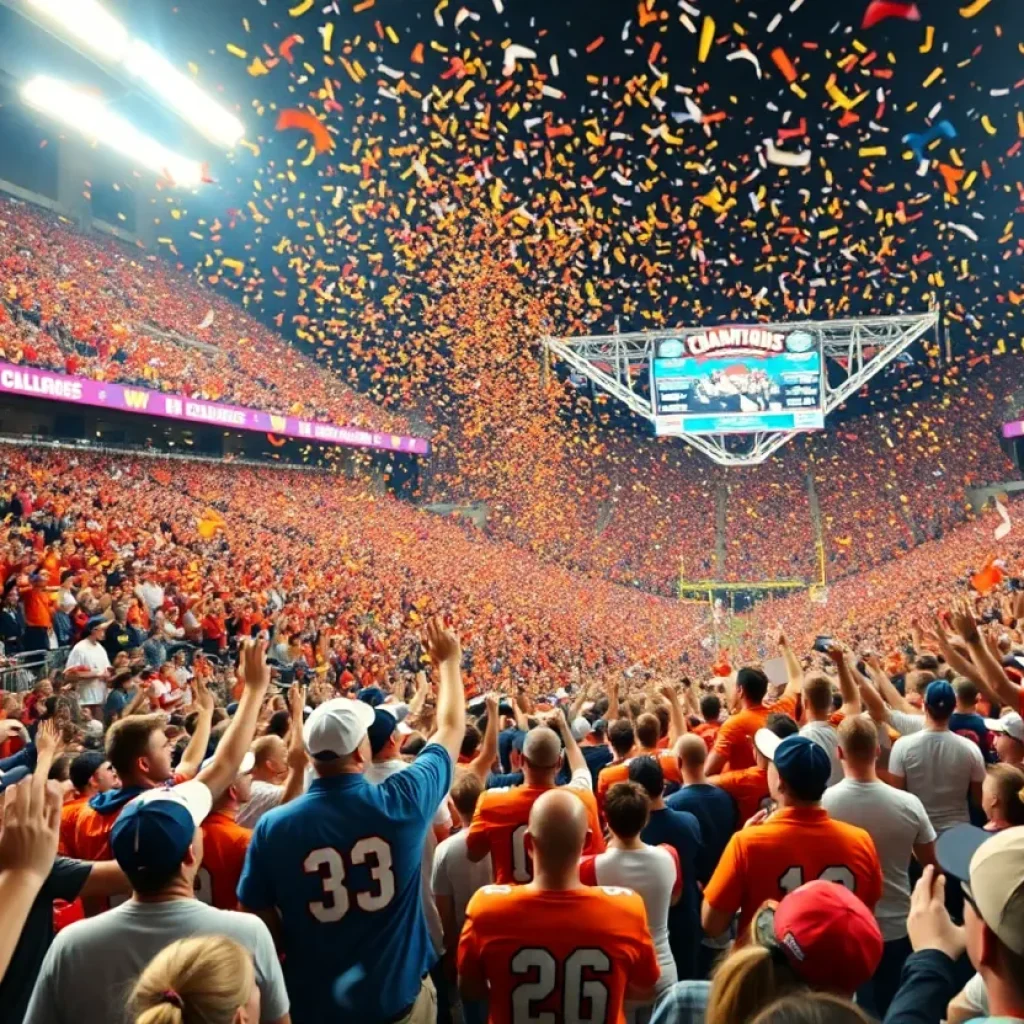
[91, 655]
[826, 736]
[904, 723]
[939, 767]
[896, 821]
[376, 772]
[652, 872]
[455, 875]
[265, 797]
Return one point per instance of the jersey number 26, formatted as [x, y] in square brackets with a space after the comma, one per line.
[583, 1002]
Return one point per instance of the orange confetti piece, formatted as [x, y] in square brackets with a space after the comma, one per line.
[591, 47]
[417, 54]
[305, 121]
[784, 64]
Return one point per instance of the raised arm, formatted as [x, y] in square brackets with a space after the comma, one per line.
[481, 765]
[239, 735]
[872, 698]
[960, 664]
[577, 705]
[295, 780]
[613, 702]
[794, 673]
[573, 755]
[989, 667]
[195, 752]
[446, 654]
[847, 686]
[892, 696]
[676, 718]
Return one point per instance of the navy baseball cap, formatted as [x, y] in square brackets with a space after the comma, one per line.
[372, 695]
[940, 698]
[802, 765]
[96, 622]
[153, 833]
[84, 767]
[381, 728]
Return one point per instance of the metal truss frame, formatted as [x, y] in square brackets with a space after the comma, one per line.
[862, 347]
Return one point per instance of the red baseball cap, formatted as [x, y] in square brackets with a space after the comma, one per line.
[827, 934]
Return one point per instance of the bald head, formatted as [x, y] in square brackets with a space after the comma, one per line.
[542, 748]
[693, 751]
[558, 830]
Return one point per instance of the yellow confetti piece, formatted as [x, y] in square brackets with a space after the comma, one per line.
[328, 33]
[707, 37]
[932, 78]
[873, 151]
[391, 34]
[987, 124]
[972, 9]
[796, 89]
[310, 157]
[257, 68]
[300, 9]
[236, 51]
[364, 6]
[929, 39]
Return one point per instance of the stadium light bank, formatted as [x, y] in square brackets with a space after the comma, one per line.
[89, 115]
[91, 25]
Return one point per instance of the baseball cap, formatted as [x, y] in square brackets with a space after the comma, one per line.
[801, 763]
[372, 695]
[154, 831]
[95, 622]
[337, 727]
[990, 867]
[581, 728]
[940, 698]
[1011, 724]
[381, 729]
[84, 767]
[827, 934]
[247, 765]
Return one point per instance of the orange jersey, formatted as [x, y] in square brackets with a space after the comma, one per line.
[749, 788]
[545, 954]
[735, 739]
[68, 820]
[499, 828]
[708, 732]
[91, 838]
[224, 846]
[619, 772]
[795, 845]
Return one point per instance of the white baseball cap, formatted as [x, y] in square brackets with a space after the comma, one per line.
[193, 795]
[247, 765]
[1011, 724]
[337, 727]
[766, 742]
[581, 728]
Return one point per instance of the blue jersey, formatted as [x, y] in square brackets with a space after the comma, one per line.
[342, 866]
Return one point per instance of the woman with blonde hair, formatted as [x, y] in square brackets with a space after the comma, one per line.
[208, 980]
[820, 937]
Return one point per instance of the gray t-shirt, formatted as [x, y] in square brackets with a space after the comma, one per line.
[826, 736]
[939, 767]
[896, 821]
[92, 966]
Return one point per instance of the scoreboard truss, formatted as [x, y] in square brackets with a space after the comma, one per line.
[860, 348]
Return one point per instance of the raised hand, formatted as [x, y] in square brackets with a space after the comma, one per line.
[963, 621]
[203, 696]
[48, 739]
[255, 670]
[28, 842]
[442, 644]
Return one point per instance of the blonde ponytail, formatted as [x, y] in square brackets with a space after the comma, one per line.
[745, 982]
[194, 981]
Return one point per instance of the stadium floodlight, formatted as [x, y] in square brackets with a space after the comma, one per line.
[89, 115]
[90, 23]
[182, 95]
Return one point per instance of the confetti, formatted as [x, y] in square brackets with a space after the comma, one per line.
[975, 8]
[305, 121]
[879, 10]
[746, 55]
[707, 37]
[784, 64]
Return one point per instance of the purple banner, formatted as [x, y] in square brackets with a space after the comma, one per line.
[1014, 429]
[58, 387]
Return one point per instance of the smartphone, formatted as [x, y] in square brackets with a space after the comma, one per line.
[822, 643]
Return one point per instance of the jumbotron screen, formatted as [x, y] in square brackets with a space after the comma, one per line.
[737, 380]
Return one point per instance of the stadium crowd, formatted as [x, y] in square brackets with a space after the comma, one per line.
[128, 317]
[365, 763]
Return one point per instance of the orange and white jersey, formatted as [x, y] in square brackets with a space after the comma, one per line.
[500, 823]
[793, 846]
[565, 955]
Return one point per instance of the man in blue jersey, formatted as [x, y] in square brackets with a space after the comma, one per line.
[336, 873]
